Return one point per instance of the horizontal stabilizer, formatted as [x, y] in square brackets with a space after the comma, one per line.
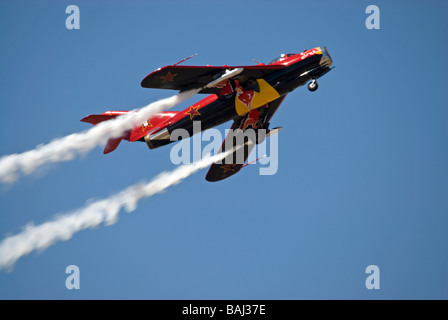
[97, 118]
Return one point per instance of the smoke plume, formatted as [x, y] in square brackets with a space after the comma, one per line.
[106, 211]
[65, 149]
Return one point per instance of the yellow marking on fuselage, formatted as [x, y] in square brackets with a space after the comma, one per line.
[267, 94]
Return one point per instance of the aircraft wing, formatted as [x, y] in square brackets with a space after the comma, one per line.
[231, 164]
[184, 78]
[228, 166]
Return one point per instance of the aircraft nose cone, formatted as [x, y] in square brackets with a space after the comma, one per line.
[326, 58]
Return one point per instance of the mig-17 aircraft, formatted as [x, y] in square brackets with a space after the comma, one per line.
[247, 95]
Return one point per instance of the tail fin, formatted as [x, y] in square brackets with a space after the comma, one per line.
[155, 123]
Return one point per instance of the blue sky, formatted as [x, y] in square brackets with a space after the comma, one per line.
[362, 177]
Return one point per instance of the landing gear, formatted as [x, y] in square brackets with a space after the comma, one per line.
[312, 86]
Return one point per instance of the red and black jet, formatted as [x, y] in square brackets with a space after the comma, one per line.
[248, 95]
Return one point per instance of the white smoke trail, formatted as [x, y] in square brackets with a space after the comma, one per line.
[63, 227]
[66, 148]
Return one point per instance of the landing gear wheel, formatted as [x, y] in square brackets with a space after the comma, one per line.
[312, 86]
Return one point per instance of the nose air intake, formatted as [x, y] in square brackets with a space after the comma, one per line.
[326, 58]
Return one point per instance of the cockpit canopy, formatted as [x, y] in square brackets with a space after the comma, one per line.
[283, 56]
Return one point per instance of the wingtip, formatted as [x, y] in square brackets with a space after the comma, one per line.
[85, 119]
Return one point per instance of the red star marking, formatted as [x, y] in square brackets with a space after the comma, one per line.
[168, 77]
[147, 124]
[193, 111]
[228, 167]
